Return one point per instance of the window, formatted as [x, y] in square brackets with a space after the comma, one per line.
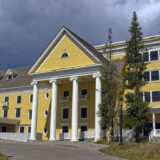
[155, 96]
[18, 112]
[65, 95]
[65, 113]
[154, 55]
[18, 99]
[29, 129]
[30, 114]
[9, 77]
[146, 56]
[64, 129]
[146, 76]
[83, 112]
[147, 97]
[83, 128]
[21, 129]
[46, 95]
[31, 98]
[5, 113]
[45, 130]
[84, 93]
[154, 75]
[64, 55]
[6, 99]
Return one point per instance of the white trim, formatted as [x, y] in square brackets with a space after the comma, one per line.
[53, 41]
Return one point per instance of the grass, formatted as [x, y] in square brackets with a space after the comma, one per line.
[133, 151]
[3, 157]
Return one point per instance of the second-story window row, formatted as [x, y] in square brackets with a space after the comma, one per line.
[153, 96]
[151, 55]
[151, 76]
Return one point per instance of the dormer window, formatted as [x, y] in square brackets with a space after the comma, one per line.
[64, 55]
[10, 74]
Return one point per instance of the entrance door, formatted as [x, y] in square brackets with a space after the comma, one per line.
[4, 129]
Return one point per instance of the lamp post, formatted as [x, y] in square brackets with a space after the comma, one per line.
[120, 120]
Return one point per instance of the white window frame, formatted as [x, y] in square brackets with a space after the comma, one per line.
[45, 114]
[47, 92]
[46, 132]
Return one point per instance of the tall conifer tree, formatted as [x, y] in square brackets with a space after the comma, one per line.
[137, 109]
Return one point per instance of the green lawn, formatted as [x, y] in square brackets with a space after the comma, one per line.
[134, 151]
[3, 157]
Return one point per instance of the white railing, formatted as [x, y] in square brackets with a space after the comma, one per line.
[83, 97]
[154, 133]
[4, 104]
[14, 136]
[81, 135]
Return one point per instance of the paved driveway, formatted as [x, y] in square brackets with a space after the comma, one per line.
[33, 151]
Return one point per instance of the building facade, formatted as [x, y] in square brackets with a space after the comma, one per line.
[57, 98]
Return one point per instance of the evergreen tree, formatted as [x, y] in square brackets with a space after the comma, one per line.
[137, 110]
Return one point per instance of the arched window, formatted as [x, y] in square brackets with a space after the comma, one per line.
[64, 55]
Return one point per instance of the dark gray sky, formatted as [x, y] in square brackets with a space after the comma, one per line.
[27, 26]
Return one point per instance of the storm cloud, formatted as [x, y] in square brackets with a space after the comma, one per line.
[27, 26]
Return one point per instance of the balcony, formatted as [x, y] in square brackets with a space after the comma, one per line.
[66, 98]
[5, 104]
[83, 97]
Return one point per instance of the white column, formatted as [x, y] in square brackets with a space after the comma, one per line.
[74, 109]
[34, 111]
[154, 124]
[53, 110]
[97, 103]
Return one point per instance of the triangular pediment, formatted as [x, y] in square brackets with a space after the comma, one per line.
[66, 51]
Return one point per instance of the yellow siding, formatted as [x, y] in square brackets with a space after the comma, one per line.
[43, 104]
[77, 58]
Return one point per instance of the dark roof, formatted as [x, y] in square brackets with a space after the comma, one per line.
[21, 78]
[88, 46]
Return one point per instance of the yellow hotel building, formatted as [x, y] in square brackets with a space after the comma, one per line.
[57, 98]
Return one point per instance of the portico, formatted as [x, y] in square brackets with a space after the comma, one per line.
[96, 77]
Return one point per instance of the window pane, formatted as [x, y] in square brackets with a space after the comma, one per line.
[30, 114]
[65, 113]
[84, 92]
[18, 111]
[83, 128]
[83, 112]
[21, 129]
[156, 96]
[147, 96]
[31, 98]
[6, 99]
[154, 55]
[29, 129]
[18, 99]
[154, 75]
[64, 129]
[5, 113]
[65, 93]
[146, 56]
[146, 76]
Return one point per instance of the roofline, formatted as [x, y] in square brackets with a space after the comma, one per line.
[53, 41]
[124, 41]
